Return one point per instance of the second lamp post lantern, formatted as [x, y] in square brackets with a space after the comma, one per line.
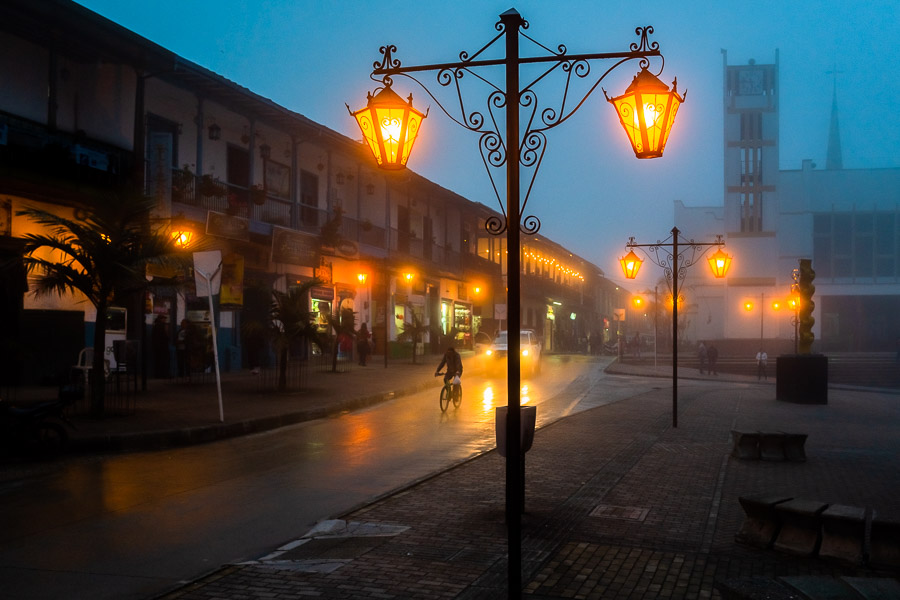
[675, 264]
[390, 125]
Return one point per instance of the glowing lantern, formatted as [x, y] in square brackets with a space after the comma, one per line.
[719, 263]
[389, 126]
[647, 111]
[631, 264]
[182, 238]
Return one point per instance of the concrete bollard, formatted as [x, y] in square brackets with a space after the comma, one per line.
[884, 545]
[771, 446]
[843, 533]
[761, 523]
[800, 532]
[745, 444]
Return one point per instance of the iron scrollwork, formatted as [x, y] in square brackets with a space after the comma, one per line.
[674, 262]
[486, 122]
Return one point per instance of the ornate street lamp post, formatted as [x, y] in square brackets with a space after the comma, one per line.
[675, 264]
[389, 126]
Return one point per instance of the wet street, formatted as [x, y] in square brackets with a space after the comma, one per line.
[135, 525]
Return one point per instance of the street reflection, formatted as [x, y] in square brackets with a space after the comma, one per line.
[488, 398]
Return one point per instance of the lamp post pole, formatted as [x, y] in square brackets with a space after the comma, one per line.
[762, 316]
[675, 265]
[655, 324]
[389, 126]
[387, 309]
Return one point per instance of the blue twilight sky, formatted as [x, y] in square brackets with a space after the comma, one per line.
[591, 193]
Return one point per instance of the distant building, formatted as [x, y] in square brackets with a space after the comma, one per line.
[846, 220]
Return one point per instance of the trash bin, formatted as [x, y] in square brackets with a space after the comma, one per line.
[528, 418]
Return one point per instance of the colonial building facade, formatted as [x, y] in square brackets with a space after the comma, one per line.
[88, 107]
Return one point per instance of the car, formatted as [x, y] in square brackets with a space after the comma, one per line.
[529, 346]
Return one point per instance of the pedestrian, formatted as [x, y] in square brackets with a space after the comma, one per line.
[712, 354]
[702, 354]
[761, 359]
[363, 344]
[161, 354]
[183, 342]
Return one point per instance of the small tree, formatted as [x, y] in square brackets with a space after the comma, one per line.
[413, 330]
[100, 256]
[292, 320]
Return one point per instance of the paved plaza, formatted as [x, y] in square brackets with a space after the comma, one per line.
[619, 504]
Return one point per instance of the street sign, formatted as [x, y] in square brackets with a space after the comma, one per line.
[207, 272]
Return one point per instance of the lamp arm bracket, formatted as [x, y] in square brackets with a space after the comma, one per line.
[533, 143]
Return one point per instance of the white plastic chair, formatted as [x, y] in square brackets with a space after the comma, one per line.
[86, 362]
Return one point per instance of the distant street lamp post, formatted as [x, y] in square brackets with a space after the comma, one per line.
[640, 303]
[390, 125]
[675, 264]
[748, 306]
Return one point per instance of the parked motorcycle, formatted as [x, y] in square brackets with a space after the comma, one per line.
[35, 430]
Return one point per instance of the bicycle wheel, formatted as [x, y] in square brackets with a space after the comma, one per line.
[445, 398]
[457, 395]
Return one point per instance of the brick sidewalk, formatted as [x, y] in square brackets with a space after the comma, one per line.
[619, 505]
[179, 412]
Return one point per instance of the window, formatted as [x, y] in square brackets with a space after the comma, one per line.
[309, 199]
[751, 212]
[822, 251]
[238, 166]
[860, 245]
[885, 245]
[751, 126]
[484, 248]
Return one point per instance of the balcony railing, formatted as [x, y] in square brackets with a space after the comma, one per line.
[211, 194]
[33, 156]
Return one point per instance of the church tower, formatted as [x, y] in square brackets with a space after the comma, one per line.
[833, 159]
[750, 145]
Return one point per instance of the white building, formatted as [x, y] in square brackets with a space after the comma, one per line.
[846, 220]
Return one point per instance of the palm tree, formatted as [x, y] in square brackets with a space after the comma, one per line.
[413, 330]
[292, 320]
[344, 325]
[102, 255]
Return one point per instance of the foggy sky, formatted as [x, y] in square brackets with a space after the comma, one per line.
[312, 56]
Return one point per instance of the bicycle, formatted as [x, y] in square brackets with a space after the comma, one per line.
[450, 392]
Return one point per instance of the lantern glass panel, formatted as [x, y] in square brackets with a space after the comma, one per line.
[370, 133]
[719, 263]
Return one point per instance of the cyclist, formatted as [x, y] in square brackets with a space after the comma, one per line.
[453, 361]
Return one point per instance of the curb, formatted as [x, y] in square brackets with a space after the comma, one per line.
[165, 439]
